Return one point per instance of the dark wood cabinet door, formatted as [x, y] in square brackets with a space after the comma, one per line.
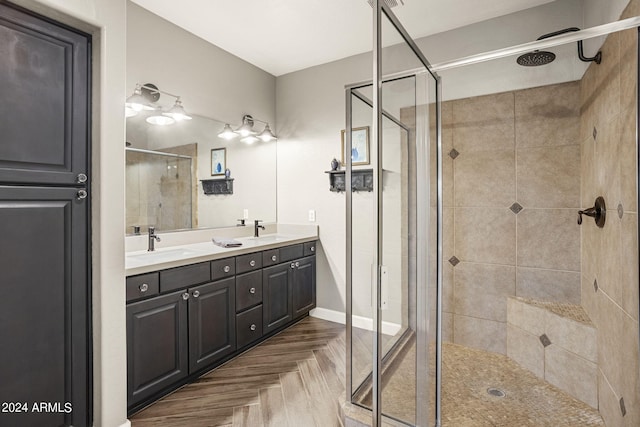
[212, 323]
[276, 297]
[157, 345]
[44, 304]
[303, 286]
[44, 113]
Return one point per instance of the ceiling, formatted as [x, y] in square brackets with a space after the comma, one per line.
[282, 36]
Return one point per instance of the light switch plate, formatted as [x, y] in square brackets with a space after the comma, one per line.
[312, 215]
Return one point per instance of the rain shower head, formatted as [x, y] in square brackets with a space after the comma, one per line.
[536, 58]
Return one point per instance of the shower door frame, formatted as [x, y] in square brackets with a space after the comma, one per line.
[422, 216]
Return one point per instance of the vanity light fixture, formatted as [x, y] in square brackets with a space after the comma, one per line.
[245, 130]
[144, 98]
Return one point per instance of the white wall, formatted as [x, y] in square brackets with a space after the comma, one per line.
[311, 112]
[105, 20]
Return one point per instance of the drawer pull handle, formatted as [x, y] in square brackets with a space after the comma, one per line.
[252, 263]
[253, 327]
[274, 258]
[293, 265]
[227, 269]
[313, 248]
[144, 287]
[196, 294]
[185, 296]
[252, 290]
[297, 264]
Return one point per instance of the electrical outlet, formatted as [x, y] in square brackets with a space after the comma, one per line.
[245, 214]
[312, 215]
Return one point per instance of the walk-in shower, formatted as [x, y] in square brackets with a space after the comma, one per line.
[475, 298]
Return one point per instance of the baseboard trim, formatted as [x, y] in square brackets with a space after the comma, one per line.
[388, 328]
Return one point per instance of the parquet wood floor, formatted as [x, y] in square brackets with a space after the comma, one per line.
[295, 378]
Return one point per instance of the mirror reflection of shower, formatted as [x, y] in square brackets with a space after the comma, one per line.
[159, 190]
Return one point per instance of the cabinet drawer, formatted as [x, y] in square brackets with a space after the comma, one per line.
[270, 257]
[144, 285]
[248, 262]
[183, 277]
[310, 248]
[223, 268]
[248, 290]
[291, 252]
[248, 326]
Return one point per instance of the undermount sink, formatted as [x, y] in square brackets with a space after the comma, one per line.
[269, 238]
[164, 254]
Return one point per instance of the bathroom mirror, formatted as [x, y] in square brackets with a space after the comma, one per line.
[165, 167]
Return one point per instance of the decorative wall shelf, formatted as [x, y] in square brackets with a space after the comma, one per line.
[361, 180]
[217, 186]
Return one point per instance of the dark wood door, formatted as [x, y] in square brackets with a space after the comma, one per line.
[276, 296]
[212, 323]
[157, 347]
[303, 286]
[44, 113]
[44, 304]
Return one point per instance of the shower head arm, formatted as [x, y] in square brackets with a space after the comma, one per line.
[598, 56]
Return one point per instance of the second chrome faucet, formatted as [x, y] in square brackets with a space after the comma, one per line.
[152, 239]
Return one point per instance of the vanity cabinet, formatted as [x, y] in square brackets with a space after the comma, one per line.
[185, 320]
[157, 347]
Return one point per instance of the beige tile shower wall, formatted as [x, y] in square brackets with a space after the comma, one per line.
[610, 254]
[509, 227]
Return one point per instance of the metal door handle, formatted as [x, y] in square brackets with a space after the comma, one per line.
[253, 327]
[252, 290]
[81, 194]
[196, 294]
[227, 269]
[144, 287]
[185, 296]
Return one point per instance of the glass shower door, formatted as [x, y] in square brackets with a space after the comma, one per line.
[391, 232]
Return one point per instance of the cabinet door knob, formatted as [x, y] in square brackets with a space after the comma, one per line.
[252, 263]
[297, 264]
[144, 287]
[81, 194]
[227, 269]
[253, 327]
[81, 178]
[185, 296]
[313, 248]
[274, 258]
[252, 290]
[293, 265]
[196, 294]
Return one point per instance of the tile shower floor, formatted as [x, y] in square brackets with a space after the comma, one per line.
[468, 374]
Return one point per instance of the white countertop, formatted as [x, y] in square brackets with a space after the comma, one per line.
[199, 247]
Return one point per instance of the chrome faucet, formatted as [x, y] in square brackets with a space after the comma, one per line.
[257, 227]
[152, 239]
